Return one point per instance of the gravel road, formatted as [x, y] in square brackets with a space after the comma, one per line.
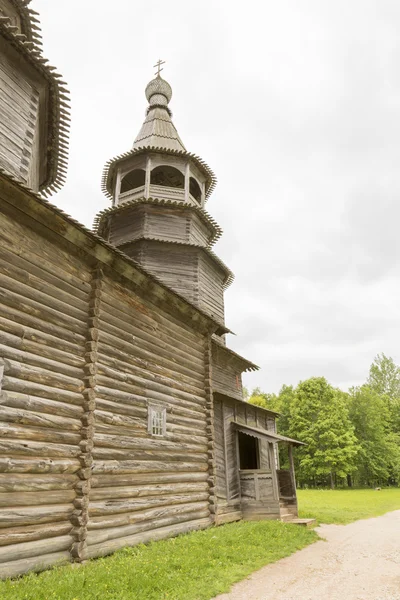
[360, 561]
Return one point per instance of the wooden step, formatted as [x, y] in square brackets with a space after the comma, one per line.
[309, 523]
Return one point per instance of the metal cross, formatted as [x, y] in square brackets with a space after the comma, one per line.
[158, 65]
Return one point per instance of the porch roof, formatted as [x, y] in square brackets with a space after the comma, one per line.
[263, 433]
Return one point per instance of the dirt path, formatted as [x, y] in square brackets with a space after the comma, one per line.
[360, 561]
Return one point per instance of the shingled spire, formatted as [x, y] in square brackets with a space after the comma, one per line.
[158, 129]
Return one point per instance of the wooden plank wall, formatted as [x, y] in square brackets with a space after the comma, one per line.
[226, 376]
[19, 109]
[211, 291]
[199, 233]
[146, 487]
[43, 325]
[228, 492]
[127, 226]
[175, 265]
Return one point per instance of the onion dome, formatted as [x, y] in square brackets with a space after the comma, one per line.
[158, 92]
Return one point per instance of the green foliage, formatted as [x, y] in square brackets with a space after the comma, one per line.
[319, 417]
[346, 506]
[379, 451]
[196, 566]
[354, 435]
[384, 377]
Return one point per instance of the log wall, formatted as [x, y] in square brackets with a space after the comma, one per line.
[144, 486]
[43, 326]
[83, 356]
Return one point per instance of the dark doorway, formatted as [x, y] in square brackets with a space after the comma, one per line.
[248, 451]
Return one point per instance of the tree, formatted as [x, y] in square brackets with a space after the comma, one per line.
[319, 417]
[378, 454]
[384, 377]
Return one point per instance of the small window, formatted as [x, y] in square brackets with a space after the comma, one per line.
[157, 420]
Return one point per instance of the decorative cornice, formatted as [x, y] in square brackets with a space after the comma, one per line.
[59, 119]
[99, 219]
[249, 366]
[111, 164]
[30, 24]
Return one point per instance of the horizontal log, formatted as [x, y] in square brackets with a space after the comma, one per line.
[142, 538]
[33, 515]
[145, 466]
[132, 392]
[35, 465]
[42, 376]
[77, 290]
[29, 388]
[158, 512]
[102, 440]
[153, 370]
[36, 483]
[146, 353]
[29, 418]
[99, 481]
[26, 317]
[126, 505]
[9, 349]
[164, 388]
[36, 498]
[157, 319]
[112, 337]
[42, 434]
[36, 563]
[29, 448]
[36, 309]
[138, 454]
[120, 421]
[29, 533]
[26, 550]
[145, 491]
[45, 298]
[41, 405]
[167, 340]
[36, 249]
[98, 537]
[38, 342]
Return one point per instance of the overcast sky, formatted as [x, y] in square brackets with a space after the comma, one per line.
[295, 104]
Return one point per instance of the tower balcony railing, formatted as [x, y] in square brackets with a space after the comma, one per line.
[169, 193]
[131, 195]
[156, 191]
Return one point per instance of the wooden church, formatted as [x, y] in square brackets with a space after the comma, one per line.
[121, 411]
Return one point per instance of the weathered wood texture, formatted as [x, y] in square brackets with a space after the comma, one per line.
[226, 373]
[211, 288]
[238, 494]
[19, 112]
[43, 323]
[143, 483]
[176, 265]
[80, 475]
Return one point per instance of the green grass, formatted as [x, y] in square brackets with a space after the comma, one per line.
[346, 506]
[196, 566]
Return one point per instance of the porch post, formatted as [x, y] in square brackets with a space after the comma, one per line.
[291, 467]
[273, 470]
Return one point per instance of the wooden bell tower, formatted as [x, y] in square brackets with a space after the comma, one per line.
[158, 191]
